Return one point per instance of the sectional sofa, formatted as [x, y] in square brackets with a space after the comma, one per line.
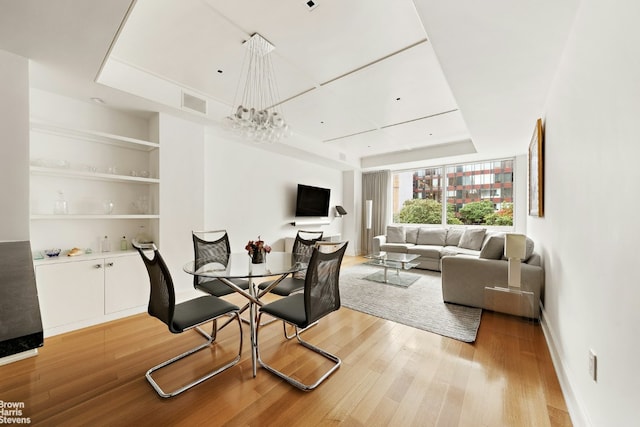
[470, 259]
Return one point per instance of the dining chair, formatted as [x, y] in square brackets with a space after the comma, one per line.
[321, 297]
[302, 247]
[301, 251]
[182, 316]
[213, 246]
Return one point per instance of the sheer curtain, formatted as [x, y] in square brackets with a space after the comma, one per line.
[375, 187]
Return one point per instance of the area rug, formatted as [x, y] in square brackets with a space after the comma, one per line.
[419, 305]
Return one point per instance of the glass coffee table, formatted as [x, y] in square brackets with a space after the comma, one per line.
[396, 261]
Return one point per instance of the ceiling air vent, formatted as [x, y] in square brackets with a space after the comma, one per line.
[194, 103]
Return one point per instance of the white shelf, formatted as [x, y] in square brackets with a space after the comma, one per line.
[70, 173]
[90, 216]
[303, 222]
[93, 136]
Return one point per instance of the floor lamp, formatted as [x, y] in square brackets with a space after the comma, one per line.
[368, 222]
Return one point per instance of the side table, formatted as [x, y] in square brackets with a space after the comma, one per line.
[510, 300]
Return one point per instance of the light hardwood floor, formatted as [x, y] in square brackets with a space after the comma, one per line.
[392, 375]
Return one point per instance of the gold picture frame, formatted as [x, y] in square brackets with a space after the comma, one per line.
[536, 171]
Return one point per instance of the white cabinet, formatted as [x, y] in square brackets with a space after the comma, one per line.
[126, 284]
[70, 292]
[81, 291]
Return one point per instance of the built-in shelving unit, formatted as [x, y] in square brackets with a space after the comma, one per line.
[109, 184]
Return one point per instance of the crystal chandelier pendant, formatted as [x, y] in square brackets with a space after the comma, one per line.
[257, 115]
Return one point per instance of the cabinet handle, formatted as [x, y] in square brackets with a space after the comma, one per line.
[97, 266]
[109, 264]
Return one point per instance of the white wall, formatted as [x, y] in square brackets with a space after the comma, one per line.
[181, 193]
[14, 147]
[589, 235]
[251, 192]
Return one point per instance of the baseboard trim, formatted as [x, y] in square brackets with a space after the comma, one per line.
[18, 356]
[576, 413]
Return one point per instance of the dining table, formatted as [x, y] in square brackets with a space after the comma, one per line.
[240, 266]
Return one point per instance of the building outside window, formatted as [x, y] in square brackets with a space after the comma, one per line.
[472, 194]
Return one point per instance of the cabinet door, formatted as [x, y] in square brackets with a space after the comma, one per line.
[70, 292]
[126, 283]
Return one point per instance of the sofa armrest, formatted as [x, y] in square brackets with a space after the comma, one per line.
[377, 242]
[465, 277]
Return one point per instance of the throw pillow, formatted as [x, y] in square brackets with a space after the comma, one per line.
[494, 248]
[528, 251]
[412, 235]
[395, 234]
[472, 238]
[432, 236]
[453, 236]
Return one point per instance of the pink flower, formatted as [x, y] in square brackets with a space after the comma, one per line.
[257, 246]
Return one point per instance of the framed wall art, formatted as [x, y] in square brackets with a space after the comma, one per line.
[536, 169]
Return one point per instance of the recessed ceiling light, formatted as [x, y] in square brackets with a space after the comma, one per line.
[219, 71]
[398, 99]
[98, 100]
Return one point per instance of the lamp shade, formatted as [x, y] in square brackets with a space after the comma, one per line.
[515, 246]
[369, 213]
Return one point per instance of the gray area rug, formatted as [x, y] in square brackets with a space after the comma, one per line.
[419, 305]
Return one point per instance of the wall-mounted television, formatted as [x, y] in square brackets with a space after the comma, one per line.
[312, 201]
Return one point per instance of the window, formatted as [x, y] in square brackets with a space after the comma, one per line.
[472, 193]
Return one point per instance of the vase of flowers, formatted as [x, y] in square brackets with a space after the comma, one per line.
[257, 250]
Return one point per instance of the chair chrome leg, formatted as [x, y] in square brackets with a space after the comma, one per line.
[305, 387]
[210, 339]
[287, 336]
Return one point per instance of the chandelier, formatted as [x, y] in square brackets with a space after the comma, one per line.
[257, 115]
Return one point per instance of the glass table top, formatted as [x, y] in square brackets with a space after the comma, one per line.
[239, 265]
[392, 256]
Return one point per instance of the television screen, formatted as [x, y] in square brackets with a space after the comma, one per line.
[312, 201]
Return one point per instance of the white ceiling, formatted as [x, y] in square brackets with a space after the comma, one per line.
[366, 83]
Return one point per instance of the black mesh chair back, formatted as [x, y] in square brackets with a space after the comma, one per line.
[303, 247]
[217, 249]
[213, 246]
[321, 291]
[162, 297]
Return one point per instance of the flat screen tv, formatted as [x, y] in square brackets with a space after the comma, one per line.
[312, 201]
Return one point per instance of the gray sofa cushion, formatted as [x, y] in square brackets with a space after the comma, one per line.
[472, 238]
[395, 234]
[453, 236]
[412, 235]
[457, 250]
[396, 247]
[432, 236]
[427, 251]
[493, 248]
